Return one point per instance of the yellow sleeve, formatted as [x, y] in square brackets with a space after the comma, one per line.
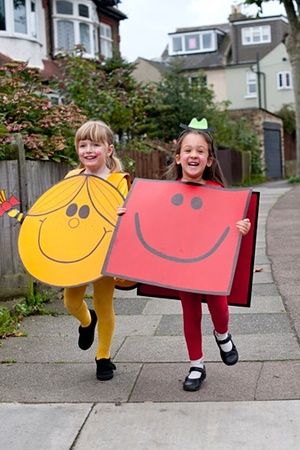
[123, 187]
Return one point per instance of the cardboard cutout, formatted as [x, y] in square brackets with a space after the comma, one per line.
[64, 237]
[240, 294]
[179, 236]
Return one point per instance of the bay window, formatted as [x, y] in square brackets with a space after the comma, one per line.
[74, 24]
[19, 18]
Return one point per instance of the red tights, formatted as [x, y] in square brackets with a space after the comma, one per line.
[192, 316]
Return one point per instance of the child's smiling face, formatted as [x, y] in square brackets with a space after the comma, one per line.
[93, 155]
[194, 157]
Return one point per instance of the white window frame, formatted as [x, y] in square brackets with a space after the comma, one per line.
[106, 40]
[31, 21]
[284, 80]
[249, 34]
[197, 34]
[92, 22]
[251, 80]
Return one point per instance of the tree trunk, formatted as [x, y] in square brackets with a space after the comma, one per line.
[293, 48]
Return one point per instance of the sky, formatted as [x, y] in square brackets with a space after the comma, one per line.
[145, 32]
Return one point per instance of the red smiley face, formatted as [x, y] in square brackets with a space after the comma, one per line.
[178, 235]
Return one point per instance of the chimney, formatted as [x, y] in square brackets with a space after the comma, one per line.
[236, 13]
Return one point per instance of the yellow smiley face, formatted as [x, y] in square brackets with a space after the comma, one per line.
[65, 236]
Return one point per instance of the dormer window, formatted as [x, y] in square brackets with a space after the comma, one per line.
[193, 42]
[256, 35]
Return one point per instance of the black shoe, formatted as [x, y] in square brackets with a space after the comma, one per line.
[105, 369]
[194, 384]
[229, 358]
[86, 334]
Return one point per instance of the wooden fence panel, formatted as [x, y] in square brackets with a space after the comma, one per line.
[40, 176]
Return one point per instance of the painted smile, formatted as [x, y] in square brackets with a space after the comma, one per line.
[175, 258]
[105, 232]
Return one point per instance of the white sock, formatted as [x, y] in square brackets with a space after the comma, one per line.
[225, 347]
[196, 363]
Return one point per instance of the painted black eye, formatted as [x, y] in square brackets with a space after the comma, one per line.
[71, 210]
[196, 203]
[177, 199]
[84, 212]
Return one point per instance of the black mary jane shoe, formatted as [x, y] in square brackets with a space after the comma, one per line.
[194, 384]
[229, 358]
[105, 369]
[86, 334]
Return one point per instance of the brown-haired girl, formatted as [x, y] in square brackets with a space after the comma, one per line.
[195, 162]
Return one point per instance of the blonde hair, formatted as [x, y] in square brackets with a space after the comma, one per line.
[214, 172]
[98, 131]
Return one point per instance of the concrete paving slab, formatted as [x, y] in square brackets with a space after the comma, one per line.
[190, 426]
[268, 347]
[261, 304]
[261, 259]
[171, 325]
[264, 289]
[74, 383]
[137, 325]
[47, 427]
[163, 306]
[52, 349]
[279, 380]
[263, 278]
[63, 326]
[163, 383]
[130, 305]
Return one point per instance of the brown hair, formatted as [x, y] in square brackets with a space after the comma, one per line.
[214, 172]
[98, 131]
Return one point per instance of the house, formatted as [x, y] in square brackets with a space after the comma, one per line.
[38, 30]
[149, 71]
[246, 63]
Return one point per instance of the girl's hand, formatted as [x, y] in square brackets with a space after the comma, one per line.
[243, 226]
[121, 210]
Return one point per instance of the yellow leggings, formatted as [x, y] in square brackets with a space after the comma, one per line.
[103, 305]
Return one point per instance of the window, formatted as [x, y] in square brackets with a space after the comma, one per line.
[197, 42]
[251, 84]
[75, 23]
[198, 81]
[33, 18]
[2, 15]
[84, 30]
[106, 41]
[63, 7]
[177, 44]
[256, 35]
[65, 35]
[192, 42]
[19, 17]
[284, 80]
[83, 10]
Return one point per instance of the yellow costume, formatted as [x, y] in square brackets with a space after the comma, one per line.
[103, 289]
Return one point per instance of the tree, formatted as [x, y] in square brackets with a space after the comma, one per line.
[292, 43]
[47, 129]
[104, 90]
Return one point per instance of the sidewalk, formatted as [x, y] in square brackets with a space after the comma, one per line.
[50, 398]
